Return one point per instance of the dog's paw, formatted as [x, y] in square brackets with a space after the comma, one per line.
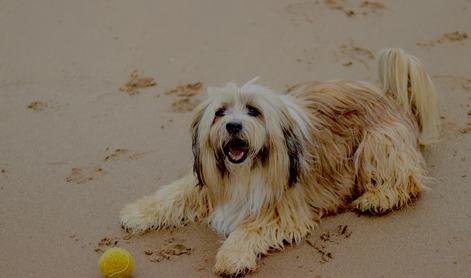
[372, 203]
[234, 264]
[139, 216]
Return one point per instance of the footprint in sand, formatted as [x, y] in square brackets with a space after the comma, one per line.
[308, 10]
[106, 243]
[38, 106]
[135, 83]
[326, 239]
[171, 248]
[186, 97]
[350, 54]
[364, 8]
[111, 241]
[81, 175]
[111, 155]
[445, 38]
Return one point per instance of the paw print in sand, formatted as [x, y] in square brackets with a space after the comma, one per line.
[115, 154]
[80, 175]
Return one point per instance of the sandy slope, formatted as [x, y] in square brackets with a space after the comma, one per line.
[74, 55]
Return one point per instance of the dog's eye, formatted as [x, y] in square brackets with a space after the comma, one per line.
[252, 111]
[220, 112]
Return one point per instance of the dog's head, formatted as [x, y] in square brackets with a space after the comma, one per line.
[249, 126]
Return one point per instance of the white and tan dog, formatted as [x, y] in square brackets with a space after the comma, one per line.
[268, 166]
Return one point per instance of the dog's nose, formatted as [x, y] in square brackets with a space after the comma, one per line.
[233, 127]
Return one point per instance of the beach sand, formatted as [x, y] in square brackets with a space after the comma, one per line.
[80, 137]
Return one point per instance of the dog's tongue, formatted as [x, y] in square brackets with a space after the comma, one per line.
[237, 153]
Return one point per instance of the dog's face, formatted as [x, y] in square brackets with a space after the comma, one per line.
[248, 126]
[238, 131]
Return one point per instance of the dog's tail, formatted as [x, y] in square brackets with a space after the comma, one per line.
[405, 80]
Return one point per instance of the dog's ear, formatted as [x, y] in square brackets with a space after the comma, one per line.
[293, 147]
[197, 163]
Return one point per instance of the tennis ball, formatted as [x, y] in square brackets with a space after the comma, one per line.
[116, 263]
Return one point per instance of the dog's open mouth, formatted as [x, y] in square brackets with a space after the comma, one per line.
[236, 150]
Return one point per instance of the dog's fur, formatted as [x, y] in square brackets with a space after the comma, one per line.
[268, 166]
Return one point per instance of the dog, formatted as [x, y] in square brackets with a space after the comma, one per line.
[268, 166]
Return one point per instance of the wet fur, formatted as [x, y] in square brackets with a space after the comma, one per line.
[318, 149]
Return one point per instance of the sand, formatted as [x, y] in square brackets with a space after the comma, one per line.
[74, 148]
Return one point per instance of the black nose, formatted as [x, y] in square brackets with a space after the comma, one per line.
[233, 127]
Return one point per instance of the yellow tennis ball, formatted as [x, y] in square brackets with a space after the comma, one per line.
[116, 263]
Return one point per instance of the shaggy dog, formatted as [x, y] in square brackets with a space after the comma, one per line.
[268, 166]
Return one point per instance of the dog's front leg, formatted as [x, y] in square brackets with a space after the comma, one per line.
[239, 253]
[172, 205]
